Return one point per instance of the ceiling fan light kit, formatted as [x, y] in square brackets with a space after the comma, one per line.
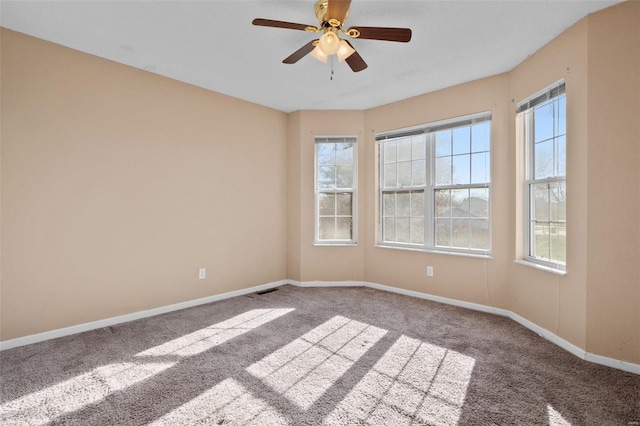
[319, 54]
[331, 15]
[329, 42]
[344, 51]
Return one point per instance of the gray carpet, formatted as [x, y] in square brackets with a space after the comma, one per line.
[341, 356]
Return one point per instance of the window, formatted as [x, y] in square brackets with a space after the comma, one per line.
[335, 190]
[435, 186]
[542, 122]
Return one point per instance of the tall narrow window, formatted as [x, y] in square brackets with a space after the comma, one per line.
[435, 186]
[335, 190]
[543, 125]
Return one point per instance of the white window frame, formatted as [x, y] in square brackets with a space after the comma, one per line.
[549, 94]
[430, 186]
[353, 190]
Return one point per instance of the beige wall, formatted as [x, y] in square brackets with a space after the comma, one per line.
[117, 185]
[613, 234]
[554, 302]
[293, 187]
[470, 279]
[322, 263]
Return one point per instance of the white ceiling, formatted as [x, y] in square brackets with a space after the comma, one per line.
[212, 44]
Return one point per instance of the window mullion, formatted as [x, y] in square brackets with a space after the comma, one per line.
[429, 205]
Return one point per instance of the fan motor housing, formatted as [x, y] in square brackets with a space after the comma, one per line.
[322, 7]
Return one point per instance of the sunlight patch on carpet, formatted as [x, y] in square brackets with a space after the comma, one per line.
[413, 382]
[214, 335]
[227, 402]
[43, 406]
[303, 370]
[555, 418]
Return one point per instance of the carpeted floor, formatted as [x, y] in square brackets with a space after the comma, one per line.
[311, 356]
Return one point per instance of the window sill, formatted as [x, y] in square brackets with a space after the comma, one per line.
[337, 244]
[540, 267]
[452, 253]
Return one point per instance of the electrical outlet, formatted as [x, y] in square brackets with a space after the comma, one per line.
[202, 273]
[429, 271]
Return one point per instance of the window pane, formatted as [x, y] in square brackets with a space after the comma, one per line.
[343, 228]
[481, 137]
[327, 228]
[418, 147]
[389, 229]
[558, 242]
[335, 166]
[404, 174]
[404, 150]
[479, 234]
[543, 122]
[326, 204]
[541, 240]
[389, 204]
[344, 176]
[403, 230]
[479, 202]
[343, 204]
[443, 143]
[543, 128]
[443, 171]
[480, 172]
[390, 152]
[403, 205]
[419, 172]
[417, 230]
[558, 201]
[390, 175]
[561, 156]
[540, 208]
[417, 204]
[443, 203]
[461, 140]
[543, 159]
[344, 153]
[325, 153]
[459, 156]
[443, 232]
[460, 233]
[461, 169]
[326, 176]
[460, 203]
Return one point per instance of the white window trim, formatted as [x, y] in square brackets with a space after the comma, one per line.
[353, 191]
[429, 188]
[528, 260]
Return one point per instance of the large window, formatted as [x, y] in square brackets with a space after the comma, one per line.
[335, 190]
[542, 123]
[435, 186]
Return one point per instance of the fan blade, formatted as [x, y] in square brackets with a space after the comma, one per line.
[280, 24]
[300, 53]
[338, 9]
[355, 61]
[402, 35]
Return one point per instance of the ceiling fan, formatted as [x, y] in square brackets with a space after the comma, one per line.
[331, 15]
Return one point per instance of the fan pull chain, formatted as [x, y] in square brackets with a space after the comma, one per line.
[331, 77]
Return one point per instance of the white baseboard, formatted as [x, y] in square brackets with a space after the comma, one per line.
[326, 283]
[570, 347]
[613, 363]
[67, 331]
[440, 299]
